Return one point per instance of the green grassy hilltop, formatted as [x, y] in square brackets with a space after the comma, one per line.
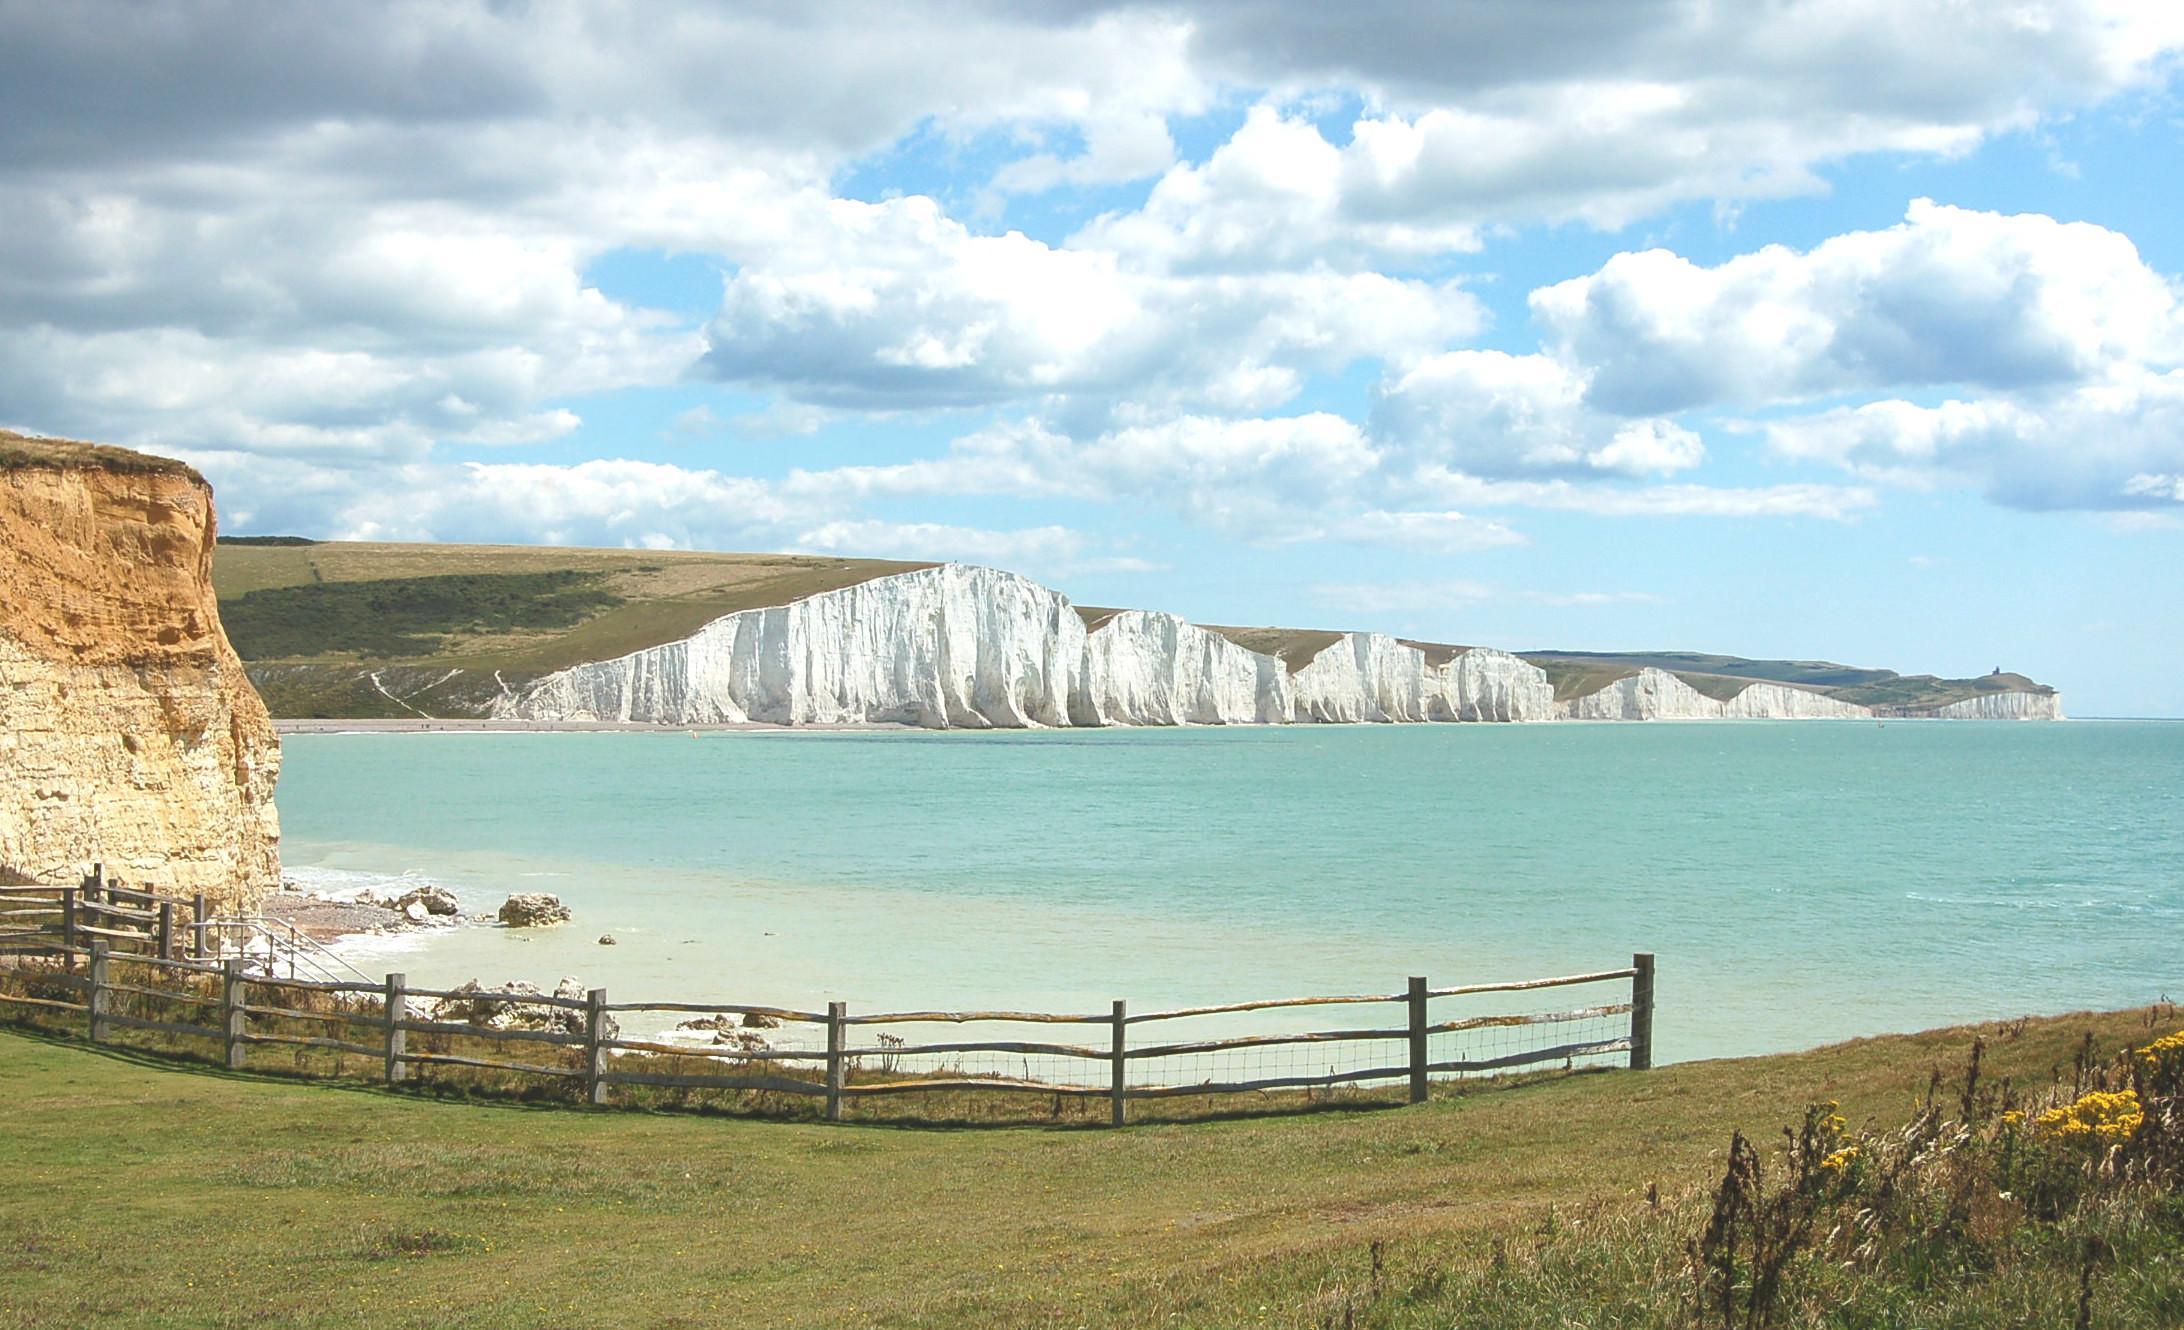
[146, 1194]
[357, 629]
[316, 621]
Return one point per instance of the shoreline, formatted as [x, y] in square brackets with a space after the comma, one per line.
[480, 725]
[470, 725]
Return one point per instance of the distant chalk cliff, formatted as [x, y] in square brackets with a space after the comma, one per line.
[953, 646]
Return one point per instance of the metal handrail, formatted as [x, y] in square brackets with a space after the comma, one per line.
[282, 940]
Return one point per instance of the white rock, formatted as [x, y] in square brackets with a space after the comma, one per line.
[961, 647]
[2005, 706]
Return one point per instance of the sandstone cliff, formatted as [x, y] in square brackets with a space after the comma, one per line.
[128, 733]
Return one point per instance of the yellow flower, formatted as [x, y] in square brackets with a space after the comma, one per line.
[1840, 1160]
[2101, 1117]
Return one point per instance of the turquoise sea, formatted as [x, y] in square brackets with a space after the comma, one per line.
[1800, 882]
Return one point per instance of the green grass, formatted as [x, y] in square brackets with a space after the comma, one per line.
[143, 1194]
[437, 622]
[1573, 678]
[403, 617]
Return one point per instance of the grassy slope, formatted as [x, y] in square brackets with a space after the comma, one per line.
[638, 598]
[142, 1194]
[644, 598]
[663, 595]
[1722, 677]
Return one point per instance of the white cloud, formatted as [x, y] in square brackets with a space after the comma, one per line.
[1835, 503]
[1950, 296]
[1494, 414]
[2116, 443]
[1483, 114]
[1445, 594]
[895, 305]
[1038, 547]
[1445, 532]
[320, 247]
[1275, 195]
[621, 503]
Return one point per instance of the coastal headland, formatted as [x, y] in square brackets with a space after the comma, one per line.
[340, 630]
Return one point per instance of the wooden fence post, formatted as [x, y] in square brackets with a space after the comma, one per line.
[1641, 1012]
[97, 998]
[197, 927]
[231, 1012]
[837, 1012]
[1417, 1039]
[68, 927]
[166, 930]
[397, 1011]
[595, 1053]
[1117, 1090]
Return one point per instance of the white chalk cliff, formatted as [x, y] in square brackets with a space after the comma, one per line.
[963, 647]
[2006, 706]
[1653, 694]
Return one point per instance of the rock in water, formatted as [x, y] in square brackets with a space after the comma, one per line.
[533, 909]
[606, 939]
[416, 912]
[435, 900]
[128, 732]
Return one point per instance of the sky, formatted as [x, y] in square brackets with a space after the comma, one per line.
[1848, 330]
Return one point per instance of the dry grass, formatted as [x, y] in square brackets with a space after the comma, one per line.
[32, 450]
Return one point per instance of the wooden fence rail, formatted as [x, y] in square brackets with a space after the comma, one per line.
[583, 1029]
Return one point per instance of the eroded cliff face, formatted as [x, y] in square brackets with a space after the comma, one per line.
[2006, 706]
[964, 647]
[1653, 694]
[961, 647]
[128, 733]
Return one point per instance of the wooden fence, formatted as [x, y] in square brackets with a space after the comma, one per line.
[99, 964]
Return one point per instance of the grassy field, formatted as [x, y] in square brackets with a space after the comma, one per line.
[436, 624]
[143, 1194]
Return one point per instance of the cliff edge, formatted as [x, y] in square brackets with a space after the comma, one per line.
[129, 735]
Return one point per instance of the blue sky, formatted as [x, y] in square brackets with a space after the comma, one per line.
[1733, 327]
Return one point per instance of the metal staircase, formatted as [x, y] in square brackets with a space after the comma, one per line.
[273, 946]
